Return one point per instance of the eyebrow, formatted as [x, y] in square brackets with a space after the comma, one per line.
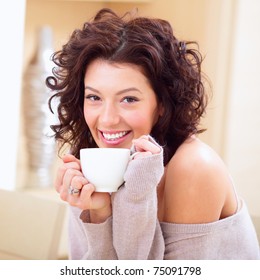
[118, 93]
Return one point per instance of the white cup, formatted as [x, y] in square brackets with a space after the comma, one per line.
[104, 167]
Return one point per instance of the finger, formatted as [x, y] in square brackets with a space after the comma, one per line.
[83, 201]
[67, 194]
[70, 158]
[78, 182]
[61, 172]
[85, 198]
[93, 200]
[141, 155]
[73, 191]
[66, 183]
[144, 145]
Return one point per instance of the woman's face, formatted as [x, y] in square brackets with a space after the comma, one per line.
[120, 104]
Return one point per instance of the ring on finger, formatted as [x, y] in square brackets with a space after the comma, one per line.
[73, 191]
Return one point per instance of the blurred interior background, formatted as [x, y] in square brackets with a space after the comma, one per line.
[228, 36]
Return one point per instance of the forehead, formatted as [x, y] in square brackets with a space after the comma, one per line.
[102, 64]
[106, 69]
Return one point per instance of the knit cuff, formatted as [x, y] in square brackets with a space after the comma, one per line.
[144, 174]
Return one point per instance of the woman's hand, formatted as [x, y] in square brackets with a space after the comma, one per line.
[69, 177]
[144, 147]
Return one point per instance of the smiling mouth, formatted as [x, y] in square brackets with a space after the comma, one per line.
[114, 136]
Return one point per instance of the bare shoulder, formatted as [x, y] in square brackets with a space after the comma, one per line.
[198, 188]
[193, 152]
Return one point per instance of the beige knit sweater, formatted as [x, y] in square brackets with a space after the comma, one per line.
[134, 232]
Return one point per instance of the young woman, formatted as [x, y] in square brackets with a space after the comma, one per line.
[127, 82]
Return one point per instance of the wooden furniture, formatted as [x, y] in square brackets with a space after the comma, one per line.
[30, 226]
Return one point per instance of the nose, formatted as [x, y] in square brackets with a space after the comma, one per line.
[109, 115]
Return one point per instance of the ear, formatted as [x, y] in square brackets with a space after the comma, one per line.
[159, 113]
[161, 110]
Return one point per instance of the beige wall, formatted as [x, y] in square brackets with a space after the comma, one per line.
[217, 26]
[242, 133]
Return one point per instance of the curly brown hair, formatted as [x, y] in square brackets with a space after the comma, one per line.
[172, 67]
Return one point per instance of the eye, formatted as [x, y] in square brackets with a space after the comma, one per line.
[92, 97]
[130, 99]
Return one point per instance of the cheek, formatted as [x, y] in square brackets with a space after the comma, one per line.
[89, 118]
[141, 122]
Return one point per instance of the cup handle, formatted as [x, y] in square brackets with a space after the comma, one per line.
[133, 155]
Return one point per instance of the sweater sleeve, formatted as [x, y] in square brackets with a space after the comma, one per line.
[87, 240]
[133, 231]
[136, 230]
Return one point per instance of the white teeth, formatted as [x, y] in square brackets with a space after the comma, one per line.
[114, 136]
